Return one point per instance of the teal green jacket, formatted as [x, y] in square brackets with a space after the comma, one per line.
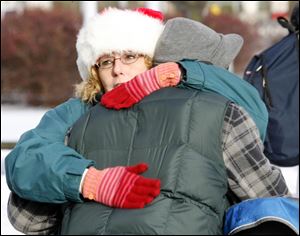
[42, 168]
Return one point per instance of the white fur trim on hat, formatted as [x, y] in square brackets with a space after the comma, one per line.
[116, 30]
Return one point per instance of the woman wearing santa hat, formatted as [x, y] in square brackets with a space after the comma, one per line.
[114, 47]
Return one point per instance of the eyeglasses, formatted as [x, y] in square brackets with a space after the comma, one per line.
[107, 62]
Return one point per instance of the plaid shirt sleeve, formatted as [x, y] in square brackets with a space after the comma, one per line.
[33, 218]
[250, 174]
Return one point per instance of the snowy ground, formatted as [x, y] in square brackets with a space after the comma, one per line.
[17, 120]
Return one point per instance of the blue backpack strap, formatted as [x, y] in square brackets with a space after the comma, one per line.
[249, 215]
[293, 26]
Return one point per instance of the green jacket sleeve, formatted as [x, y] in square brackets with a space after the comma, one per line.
[40, 167]
[206, 77]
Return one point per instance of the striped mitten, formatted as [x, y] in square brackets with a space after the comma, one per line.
[131, 92]
[121, 187]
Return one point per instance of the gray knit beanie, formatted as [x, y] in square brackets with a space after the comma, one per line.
[184, 38]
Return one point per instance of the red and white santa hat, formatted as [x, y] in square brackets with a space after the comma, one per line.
[115, 30]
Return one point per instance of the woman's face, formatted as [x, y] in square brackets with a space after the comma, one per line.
[116, 69]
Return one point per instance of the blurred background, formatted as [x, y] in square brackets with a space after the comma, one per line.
[38, 55]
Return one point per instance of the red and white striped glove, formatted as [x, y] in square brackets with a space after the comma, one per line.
[120, 187]
[129, 93]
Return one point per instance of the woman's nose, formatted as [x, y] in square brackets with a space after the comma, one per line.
[117, 66]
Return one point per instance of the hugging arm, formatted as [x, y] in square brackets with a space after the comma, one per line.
[202, 76]
[40, 167]
[197, 75]
[129, 93]
[250, 174]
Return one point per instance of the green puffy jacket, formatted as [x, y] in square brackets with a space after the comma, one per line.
[177, 132]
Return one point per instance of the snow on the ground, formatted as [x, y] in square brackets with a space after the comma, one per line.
[291, 175]
[15, 120]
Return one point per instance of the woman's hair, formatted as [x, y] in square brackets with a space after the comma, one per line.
[87, 90]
